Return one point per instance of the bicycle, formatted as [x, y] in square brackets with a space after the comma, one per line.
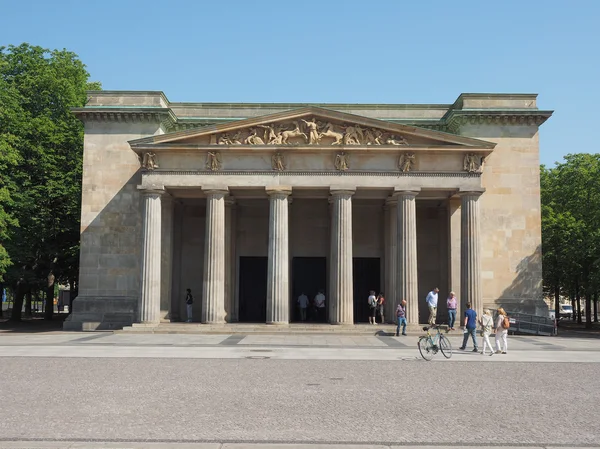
[429, 344]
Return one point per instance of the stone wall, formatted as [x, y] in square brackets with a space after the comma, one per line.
[109, 274]
[511, 218]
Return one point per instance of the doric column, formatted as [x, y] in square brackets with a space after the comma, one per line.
[151, 256]
[166, 256]
[278, 287]
[213, 288]
[231, 312]
[391, 257]
[407, 281]
[470, 254]
[454, 249]
[341, 303]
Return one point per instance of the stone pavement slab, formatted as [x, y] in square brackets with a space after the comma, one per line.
[199, 445]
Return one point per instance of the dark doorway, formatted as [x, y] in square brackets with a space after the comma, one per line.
[309, 275]
[253, 289]
[366, 273]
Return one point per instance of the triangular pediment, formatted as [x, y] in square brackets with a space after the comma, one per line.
[313, 126]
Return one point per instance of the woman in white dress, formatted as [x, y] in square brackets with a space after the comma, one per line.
[501, 333]
[487, 323]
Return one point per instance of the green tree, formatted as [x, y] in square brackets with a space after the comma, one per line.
[570, 195]
[45, 179]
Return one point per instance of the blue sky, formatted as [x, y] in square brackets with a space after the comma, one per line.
[335, 51]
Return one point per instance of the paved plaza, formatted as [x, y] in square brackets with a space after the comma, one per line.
[118, 390]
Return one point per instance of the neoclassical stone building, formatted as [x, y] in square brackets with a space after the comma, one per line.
[250, 205]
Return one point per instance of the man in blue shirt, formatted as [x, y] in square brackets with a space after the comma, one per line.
[470, 327]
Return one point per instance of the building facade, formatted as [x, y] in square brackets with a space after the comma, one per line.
[251, 205]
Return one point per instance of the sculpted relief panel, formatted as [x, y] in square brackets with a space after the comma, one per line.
[311, 132]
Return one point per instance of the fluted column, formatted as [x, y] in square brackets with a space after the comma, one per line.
[470, 254]
[166, 256]
[407, 281]
[278, 292]
[341, 303]
[391, 257]
[151, 256]
[213, 288]
[231, 311]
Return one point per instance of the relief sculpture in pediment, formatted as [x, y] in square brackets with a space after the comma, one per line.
[311, 131]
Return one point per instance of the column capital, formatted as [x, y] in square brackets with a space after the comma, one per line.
[399, 193]
[391, 201]
[278, 191]
[342, 191]
[215, 191]
[471, 192]
[151, 190]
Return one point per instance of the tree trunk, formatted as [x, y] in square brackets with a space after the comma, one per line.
[49, 312]
[596, 307]
[28, 311]
[18, 302]
[588, 312]
[578, 301]
[556, 302]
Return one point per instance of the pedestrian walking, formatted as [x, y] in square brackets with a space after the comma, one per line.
[401, 317]
[432, 302]
[502, 331]
[381, 306]
[372, 300]
[189, 304]
[487, 324]
[451, 304]
[320, 306]
[303, 305]
[470, 328]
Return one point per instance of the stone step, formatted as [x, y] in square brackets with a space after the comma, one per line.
[292, 329]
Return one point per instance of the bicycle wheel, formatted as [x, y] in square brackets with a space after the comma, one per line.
[445, 347]
[426, 348]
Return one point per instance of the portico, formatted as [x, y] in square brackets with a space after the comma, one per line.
[250, 213]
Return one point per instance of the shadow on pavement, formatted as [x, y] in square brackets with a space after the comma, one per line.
[568, 328]
[34, 324]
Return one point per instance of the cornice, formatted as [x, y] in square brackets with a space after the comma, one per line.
[457, 118]
[157, 115]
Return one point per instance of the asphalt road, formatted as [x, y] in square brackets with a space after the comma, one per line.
[317, 401]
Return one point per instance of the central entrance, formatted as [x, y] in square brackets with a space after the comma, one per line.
[309, 275]
[367, 277]
[253, 289]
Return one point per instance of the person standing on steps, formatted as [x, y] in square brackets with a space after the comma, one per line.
[320, 306]
[470, 328]
[372, 300]
[303, 305]
[189, 302]
[381, 306]
[401, 317]
[432, 301]
[451, 303]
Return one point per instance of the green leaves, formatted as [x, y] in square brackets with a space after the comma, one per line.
[41, 146]
[570, 195]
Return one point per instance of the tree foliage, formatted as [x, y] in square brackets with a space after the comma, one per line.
[41, 145]
[570, 194]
